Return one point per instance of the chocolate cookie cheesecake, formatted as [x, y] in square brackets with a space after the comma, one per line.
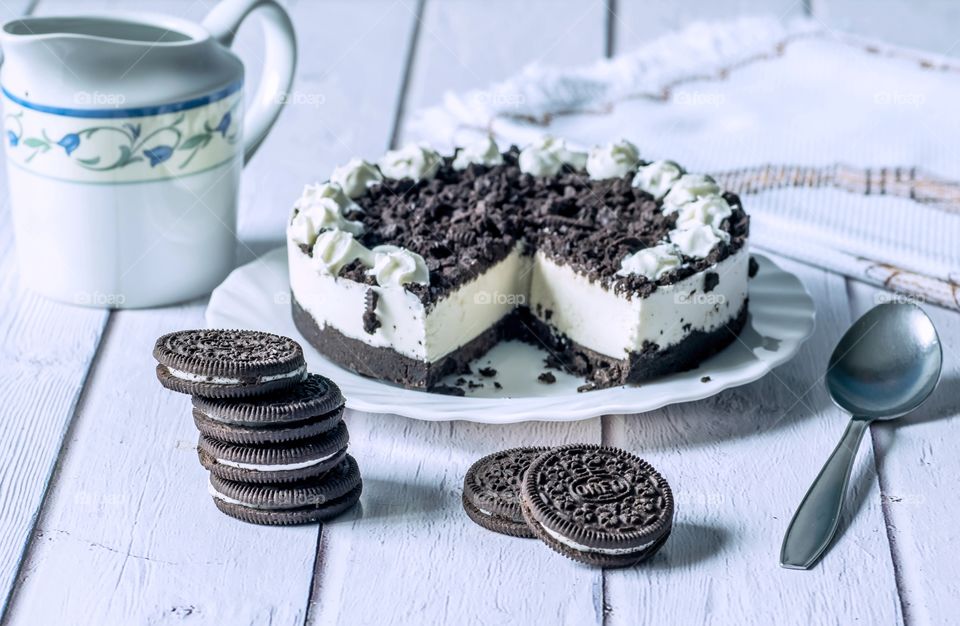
[409, 269]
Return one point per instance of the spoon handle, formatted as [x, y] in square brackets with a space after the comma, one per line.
[818, 515]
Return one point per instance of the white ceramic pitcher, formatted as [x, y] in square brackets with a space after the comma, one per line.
[126, 135]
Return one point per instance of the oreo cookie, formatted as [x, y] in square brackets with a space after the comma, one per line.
[301, 502]
[228, 363]
[312, 407]
[491, 490]
[274, 463]
[597, 505]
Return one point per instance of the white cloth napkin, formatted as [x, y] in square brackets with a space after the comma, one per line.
[846, 151]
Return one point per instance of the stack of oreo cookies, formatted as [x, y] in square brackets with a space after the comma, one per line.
[272, 435]
[597, 505]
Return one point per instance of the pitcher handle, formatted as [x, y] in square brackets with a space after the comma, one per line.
[280, 61]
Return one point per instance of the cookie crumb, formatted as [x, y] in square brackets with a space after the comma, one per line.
[547, 378]
[448, 390]
[753, 267]
[705, 379]
[497, 385]
[710, 280]
[487, 372]
[552, 361]
[370, 320]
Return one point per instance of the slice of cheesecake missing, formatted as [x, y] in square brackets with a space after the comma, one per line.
[409, 270]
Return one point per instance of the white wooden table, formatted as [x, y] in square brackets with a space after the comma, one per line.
[104, 514]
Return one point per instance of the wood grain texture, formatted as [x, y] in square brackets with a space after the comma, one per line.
[46, 351]
[468, 45]
[341, 106]
[129, 534]
[918, 465]
[740, 463]
[410, 555]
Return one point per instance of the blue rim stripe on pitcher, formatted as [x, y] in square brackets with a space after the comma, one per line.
[138, 181]
[133, 112]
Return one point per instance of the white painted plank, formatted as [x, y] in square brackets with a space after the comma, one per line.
[46, 351]
[129, 534]
[918, 465]
[636, 23]
[469, 45]
[740, 463]
[341, 106]
[755, 543]
[412, 556]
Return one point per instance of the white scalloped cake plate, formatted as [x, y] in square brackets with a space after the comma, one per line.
[257, 296]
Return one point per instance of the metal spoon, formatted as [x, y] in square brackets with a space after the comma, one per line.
[886, 365]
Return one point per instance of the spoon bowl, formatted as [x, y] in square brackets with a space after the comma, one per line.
[884, 366]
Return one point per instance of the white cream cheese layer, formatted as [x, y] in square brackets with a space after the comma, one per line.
[579, 547]
[223, 380]
[340, 303]
[280, 467]
[405, 325]
[605, 322]
[586, 312]
[477, 305]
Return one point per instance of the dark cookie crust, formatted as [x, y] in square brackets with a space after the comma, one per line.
[464, 221]
[493, 482]
[496, 523]
[600, 370]
[387, 364]
[243, 354]
[598, 497]
[267, 433]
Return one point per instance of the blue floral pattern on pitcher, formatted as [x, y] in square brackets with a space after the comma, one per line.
[166, 143]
